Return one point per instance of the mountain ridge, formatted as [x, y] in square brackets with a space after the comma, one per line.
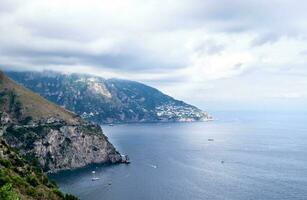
[108, 100]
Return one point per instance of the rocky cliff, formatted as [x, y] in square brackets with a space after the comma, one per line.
[108, 100]
[42, 131]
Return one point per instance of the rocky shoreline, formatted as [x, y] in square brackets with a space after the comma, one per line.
[49, 135]
[59, 146]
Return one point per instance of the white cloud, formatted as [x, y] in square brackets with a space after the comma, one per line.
[223, 65]
[182, 47]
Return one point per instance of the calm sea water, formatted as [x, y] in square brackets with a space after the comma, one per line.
[253, 156]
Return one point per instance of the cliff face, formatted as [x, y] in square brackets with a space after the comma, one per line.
[72, 147]
[57, 145]
[108, 100]
[55, 137]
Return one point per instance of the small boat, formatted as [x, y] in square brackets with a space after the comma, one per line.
[94, 177]
[154, 166]
[111, 124]
[125, 159]
[210, 140]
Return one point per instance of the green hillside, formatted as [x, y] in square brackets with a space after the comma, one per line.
[21, 180]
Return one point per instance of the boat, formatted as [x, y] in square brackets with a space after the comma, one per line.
[125, 159]
[111, 124]
[94, 178]
[210, 140]
[154, 166]
[209, 119]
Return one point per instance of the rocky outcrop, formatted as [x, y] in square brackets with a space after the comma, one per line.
[58, 145]
[72, 147]
[54, 137]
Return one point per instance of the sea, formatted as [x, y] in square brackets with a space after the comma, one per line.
[238, 156]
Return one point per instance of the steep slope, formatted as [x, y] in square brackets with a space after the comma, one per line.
[21, 180]
[57, 138]
[33, 104]
[108, 101]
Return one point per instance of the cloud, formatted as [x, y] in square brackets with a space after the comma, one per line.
[146, 34]
[219, 66]
[265, 39]
[188, 43]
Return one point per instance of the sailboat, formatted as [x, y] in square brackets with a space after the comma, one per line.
[94, 176]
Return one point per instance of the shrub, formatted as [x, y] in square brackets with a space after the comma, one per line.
[32, 180]
[4, 179]
[26, 120]
[31, 192]
[70, 197]
[18, 181]
[59, 193]
[5, 163]
[7, 193]
[53, 183]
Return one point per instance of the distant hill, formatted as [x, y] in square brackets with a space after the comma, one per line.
[108, 100]
[43, 131]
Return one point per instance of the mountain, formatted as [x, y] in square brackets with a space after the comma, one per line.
[48, 134]
[19, 179]
[108, 100]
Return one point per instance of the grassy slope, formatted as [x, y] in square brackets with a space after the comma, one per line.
[34, 105]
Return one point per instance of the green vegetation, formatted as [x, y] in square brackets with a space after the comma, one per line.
[7, 193]
[25, 135]
[21, 180]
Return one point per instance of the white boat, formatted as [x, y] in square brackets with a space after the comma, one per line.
[94, 177]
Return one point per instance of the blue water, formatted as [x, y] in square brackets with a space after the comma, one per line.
[264, 157]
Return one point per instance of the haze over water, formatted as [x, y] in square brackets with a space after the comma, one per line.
[253, 156]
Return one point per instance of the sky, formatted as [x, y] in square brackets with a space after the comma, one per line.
[226, 54]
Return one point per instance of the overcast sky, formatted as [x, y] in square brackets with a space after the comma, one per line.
[214, 54]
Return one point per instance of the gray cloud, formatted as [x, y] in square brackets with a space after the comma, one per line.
[54, 34]
[210, 47]
[265, 39]
[168, 43]
[8, 6]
